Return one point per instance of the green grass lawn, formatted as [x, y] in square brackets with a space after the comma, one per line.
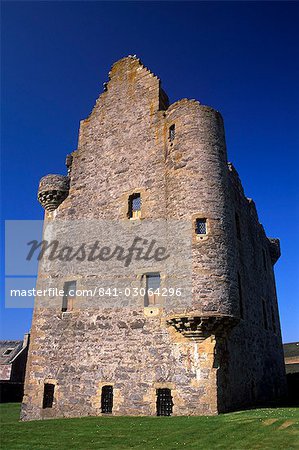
[248, 430]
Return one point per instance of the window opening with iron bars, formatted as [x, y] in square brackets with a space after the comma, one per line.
[107, 399]
[134, 211]
[201, 226]
[164, 402]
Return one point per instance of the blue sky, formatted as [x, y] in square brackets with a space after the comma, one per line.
[239, 57]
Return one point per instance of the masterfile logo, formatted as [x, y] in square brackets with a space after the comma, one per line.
[108, 259]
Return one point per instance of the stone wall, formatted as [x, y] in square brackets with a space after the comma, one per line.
[252, 372]
[134, 354]
[124, 147]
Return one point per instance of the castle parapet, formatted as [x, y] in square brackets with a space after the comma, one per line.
[52, 191]
[199, 328]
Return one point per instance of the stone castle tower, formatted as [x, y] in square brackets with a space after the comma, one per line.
[140, 159]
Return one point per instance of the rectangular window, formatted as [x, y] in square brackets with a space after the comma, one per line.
[171, 133]
[69, 289]
[48, 395]
[238, 228]
[107, 399]
[201, 226]
[164, 402]
[265, 319]
[134, 211]
[153, 281]
[241, 307]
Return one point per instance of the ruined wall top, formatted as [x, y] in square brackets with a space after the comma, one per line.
[131, 83]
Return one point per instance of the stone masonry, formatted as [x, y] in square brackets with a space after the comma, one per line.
[223, 350]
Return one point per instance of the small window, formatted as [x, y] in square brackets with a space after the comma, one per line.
[241, 307]
[107, 399]
[164, 402]
[48, 395]
[265, 319]
[238, 228]
[69, 289]
[8, 352]
[171, 135]
[134, 211]
[153, 281]
[201, 226]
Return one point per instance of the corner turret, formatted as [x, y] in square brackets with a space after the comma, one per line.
[52, 191]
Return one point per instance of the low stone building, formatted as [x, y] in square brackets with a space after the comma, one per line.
[212, 343]
[291, 358]
[13, 359]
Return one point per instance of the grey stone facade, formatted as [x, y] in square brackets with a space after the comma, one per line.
[221, 351]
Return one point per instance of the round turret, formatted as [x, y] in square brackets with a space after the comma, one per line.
[52, 191]
[198, 191]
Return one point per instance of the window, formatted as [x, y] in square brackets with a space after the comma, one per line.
[8, 352]
[134, 211]
[273, 320]
[241, 308]
[48, 395]
[164, 402]
[264, 259]
[201, 226]
[238, 228]
[107, 399]
[171, 135]
[153, 281]
[265, 320]
[69, 289]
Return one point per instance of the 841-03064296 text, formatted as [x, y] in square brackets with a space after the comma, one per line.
[98, 291]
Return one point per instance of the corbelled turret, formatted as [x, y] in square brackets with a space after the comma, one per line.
[52, 190]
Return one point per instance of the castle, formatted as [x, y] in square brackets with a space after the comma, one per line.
[218, 348]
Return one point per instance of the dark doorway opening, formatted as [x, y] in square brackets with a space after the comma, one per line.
[164, 402]
[107, 399]
[48, 395]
